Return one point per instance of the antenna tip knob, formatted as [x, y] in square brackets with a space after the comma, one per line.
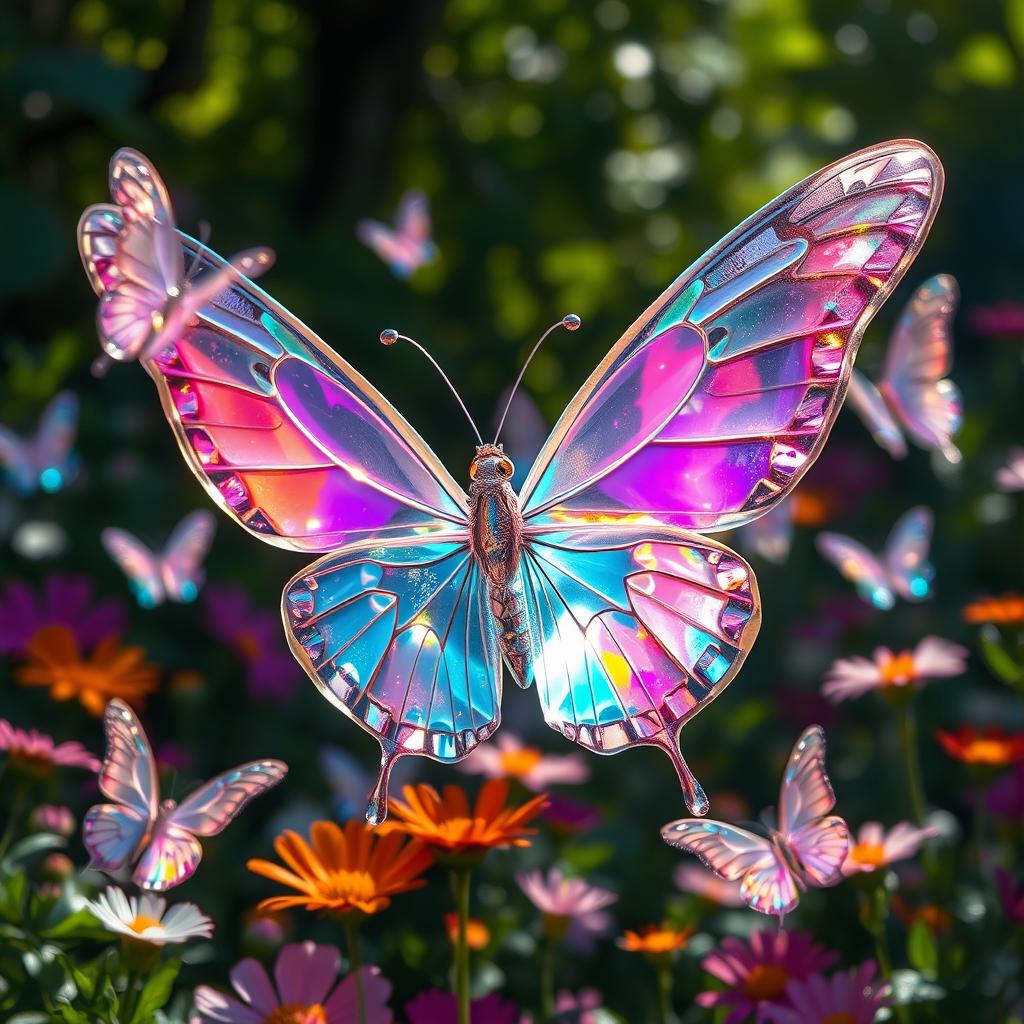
[388, 336]
[571, 322]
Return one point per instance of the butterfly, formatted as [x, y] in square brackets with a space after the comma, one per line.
[1010, 477]
[903, 568]
[157, 841]
[597, 580]
[136, 264]
[174, 574]
[408, 246]
[915, 392]
[770, 536]
[44, 461]
[808, 847]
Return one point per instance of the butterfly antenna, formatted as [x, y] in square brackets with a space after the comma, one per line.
[571, 322]
[390, 336]
[204, 237]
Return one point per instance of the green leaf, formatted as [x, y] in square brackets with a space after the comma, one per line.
[921, 949]
[157, 990]
[79, 925]
[999, 661]
[30, 846]
[13, 896]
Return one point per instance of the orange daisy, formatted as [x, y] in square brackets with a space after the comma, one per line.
[354, 869]
[109, 671]
[454, 831]
[655, 940]
[478, 935]
[994, 746]
[1007, 610]
[938, 920]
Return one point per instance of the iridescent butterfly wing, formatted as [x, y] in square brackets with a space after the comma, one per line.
[407, 246]
[771, 535]
[860, 566]
[46, 460]
[181, 564]
[173, 852]
[867, 401]
[907, 554]
[1010, 477]
[915, 380]
[702, 417]
[140, 566]
[113, 832]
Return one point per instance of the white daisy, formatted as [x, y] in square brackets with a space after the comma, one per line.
[143, 918]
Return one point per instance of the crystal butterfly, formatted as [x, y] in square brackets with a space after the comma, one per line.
[902, 569]
[407, 246]
[808, 848]
[597, 580]
[915, 392]
[135, 262]
[173, 574]
[45, 460]
[157, 841]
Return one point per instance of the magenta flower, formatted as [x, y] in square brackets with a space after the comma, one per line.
[696, 879]
[570, 905]
[1011, 476]
[303, 991]
[851, 997]
[35, 751]
[64, 601]
[1011, 894]
[757, 971]
[52, 818]
[933, 658]
[569, 817]
[508, 758]
[256, 636]
[1005, 797]
[437, 1007]
[874, 848]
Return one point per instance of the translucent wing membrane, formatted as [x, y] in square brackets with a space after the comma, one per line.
[869, 404]
[906, 554]
[806, 793]
[400, 638]
[715, 402]
[639, 628]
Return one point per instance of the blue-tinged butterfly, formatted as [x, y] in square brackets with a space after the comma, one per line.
[407, 246]
[597, 580]
[45, 460]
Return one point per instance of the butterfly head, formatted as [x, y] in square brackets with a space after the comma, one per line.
[490, 467]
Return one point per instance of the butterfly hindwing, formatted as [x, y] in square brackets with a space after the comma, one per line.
[182, 560]
[869, 404]
[141, 567]
[906, 554]
[860, 566]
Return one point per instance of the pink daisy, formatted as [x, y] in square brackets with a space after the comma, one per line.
[849, 997]
[874, 848]
[508, 758]
[303, 991]
[757, 971]
[38, 752]
[694, 878]
[933, 658]
[569, 898]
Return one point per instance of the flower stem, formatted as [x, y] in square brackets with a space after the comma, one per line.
[874, 912]
[355, 959]
[912, 764]
[547, 981]
[21, 791]
[127, 1005]
[460, 890]
[665, 992]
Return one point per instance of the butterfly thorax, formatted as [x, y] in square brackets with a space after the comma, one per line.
[496, 539]
[788, 856]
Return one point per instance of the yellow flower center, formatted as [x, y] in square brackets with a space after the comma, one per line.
[350, 886]
[868, 853]
[660, 942]
[140, 923]
[839, 1017]
[765, 981]
[518, 763]
[898, 670]
[988, 751]
[296, 1013]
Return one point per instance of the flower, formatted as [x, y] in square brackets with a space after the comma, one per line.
[63, 601]
[655, 940]
[146, 918]
[701, 882]
[1002, 318]
[57, 867]
[931, 659]
[448, 826]
[509, 758]
[38, 753]
[303, 991]
[1007, 610]
[757, 971]
[848, 997]
[1011, 894]
[52, 818]
[109, 671]
[1011, 476]
[994, 746]
[1005, 797]
[437, 1007]
[584, 1005]
[478, 935]
[567, 817]
[935, 917]
[255, 635]
[875, 849]
[565, 902]
[346, 869]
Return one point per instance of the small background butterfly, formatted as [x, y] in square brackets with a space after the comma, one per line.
[1010, 477]
[915, 392]
[156, 842]
[45, 460]
[902, 569]
[174, 574]
[407, 246]
[808, 847]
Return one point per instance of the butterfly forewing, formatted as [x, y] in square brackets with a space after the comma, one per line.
[867, 401]
[906, 554]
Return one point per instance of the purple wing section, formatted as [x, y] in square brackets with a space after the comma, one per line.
[639, 628]
[716, 401]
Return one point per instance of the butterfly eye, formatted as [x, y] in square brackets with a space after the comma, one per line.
[472, 470]
[505, 469]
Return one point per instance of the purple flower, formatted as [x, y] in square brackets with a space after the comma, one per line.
[1005, 797]
[256, 636]
[52, 818]
[852, 997]
[1011, 894]
[568, 817]
[64, 601]
[437, 1007]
